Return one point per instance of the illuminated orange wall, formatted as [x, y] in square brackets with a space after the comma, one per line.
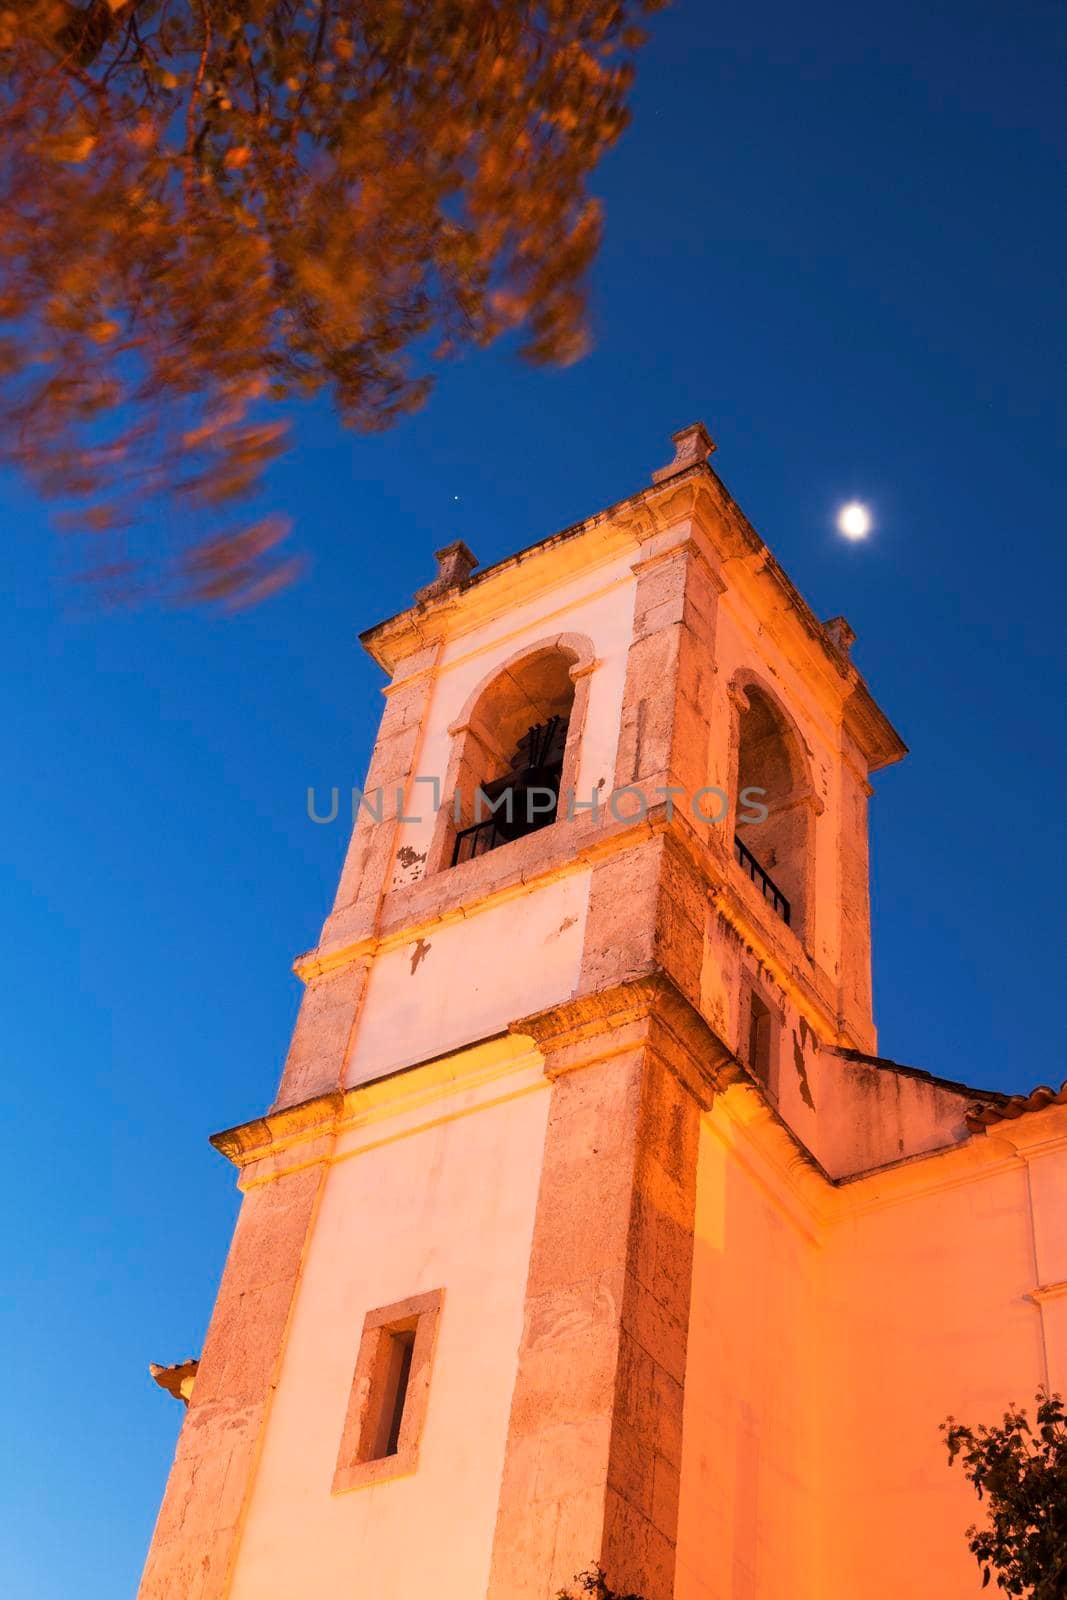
[833, 1330]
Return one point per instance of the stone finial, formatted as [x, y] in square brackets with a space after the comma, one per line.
[455, 563]
[692, 445]
[841, 635]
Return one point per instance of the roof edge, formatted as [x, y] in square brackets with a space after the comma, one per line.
[868, 722]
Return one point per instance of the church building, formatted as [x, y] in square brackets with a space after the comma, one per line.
[588, 1227]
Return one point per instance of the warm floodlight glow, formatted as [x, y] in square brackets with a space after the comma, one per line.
[854, 520]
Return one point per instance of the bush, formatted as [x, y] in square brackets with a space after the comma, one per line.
[1021, 1471]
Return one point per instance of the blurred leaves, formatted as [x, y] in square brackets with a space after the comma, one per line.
[210, 209]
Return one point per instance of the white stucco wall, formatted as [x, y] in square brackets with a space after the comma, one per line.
[443, 1200]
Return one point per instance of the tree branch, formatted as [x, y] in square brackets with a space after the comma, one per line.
[194, 94]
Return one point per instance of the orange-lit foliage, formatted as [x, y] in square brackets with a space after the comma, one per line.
[207, 208]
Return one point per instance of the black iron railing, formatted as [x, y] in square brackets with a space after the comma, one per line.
[477, 840]
[516, 817]
[762, 879]
[536, 771]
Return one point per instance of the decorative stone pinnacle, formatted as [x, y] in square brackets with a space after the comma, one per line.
[455, 563]
[692, 445]
[841, 635]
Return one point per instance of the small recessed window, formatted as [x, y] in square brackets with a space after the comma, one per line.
[390, 1387]
[394, 1361]
[760, 1039]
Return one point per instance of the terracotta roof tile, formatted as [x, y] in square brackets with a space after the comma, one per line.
[1016, 1105]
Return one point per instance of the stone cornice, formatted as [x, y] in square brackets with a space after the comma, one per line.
[748, 1125]
[410, 914]
[1049, 1291]
[531, 572]
[478, 885]
[1035, 1134]
[278, 1130]
[701, 493]
[648, 1010]
[780, 953]
[696, 492]
[415, 911]
[298, 1135]
[745, 1123]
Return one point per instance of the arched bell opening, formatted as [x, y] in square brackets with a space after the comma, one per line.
[515, 751]
[774, 836]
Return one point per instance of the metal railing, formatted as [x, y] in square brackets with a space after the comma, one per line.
[763, 880]
[477, 840]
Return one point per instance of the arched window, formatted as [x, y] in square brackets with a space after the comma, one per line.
[514, 751]
[775, 851]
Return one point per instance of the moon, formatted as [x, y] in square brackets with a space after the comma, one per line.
[854, 520]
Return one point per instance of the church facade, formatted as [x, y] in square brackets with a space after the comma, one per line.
[588, 1226]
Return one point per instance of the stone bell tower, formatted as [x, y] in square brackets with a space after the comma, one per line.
[609, 867]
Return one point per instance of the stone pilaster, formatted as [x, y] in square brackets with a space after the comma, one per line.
[647, 914]
[665, 729]
[853, 897]
[594, 1445]
[330, 1007]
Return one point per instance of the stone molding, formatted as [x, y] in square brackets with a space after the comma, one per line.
[1049, 1291]
[414, 911]
[695, 490]
[649, 1009]
[287, 1138]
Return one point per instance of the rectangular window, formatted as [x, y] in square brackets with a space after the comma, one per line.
[394, 1360]
[760, 1039]
[390, 1386]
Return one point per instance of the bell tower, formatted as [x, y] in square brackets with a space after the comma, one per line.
[609, 860]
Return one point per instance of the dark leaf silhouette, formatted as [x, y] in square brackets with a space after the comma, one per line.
[1020, 1473]
[593, 1582]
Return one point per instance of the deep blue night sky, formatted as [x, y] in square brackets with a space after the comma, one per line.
[835, 233]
